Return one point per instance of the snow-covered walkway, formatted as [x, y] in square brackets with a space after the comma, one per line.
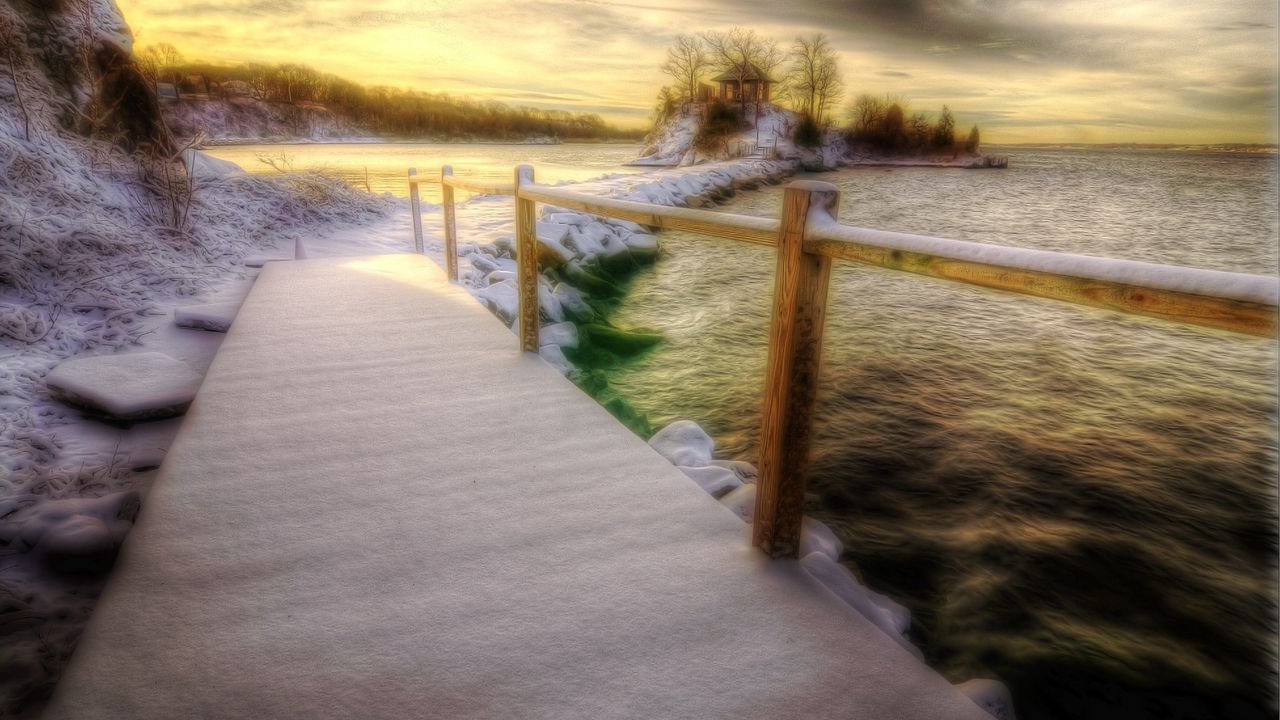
[378, 508]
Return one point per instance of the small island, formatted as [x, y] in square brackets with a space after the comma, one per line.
[738, 94]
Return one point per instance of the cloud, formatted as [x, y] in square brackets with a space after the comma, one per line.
[1038, 64]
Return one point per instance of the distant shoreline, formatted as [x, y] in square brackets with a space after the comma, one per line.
[382, 141]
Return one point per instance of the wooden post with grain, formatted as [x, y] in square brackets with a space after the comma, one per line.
[415, 209]
[791, 379]
[527, 261]
[450, 224]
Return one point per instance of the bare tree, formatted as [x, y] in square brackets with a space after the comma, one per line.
[813, 79]
[865, 113]
[944, 131]
[686, 63]
[740, 53]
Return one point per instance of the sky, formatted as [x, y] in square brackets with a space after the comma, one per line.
[1054, 71]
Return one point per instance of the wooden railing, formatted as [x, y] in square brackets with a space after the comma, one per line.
[808, 237]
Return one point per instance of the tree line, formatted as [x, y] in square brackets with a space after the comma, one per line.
[381, 109]
[808, 80]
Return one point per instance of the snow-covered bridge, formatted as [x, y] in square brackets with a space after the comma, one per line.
[378, 508]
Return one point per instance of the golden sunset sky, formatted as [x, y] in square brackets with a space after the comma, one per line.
[1155, 71]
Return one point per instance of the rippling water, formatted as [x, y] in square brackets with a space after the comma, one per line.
[1080, 502]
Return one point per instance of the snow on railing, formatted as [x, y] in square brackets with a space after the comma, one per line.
[808, 237]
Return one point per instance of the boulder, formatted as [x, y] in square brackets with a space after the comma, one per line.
[78, 534]
[587, 241]
[137, 386]
[576, 273]
[561, 334]
[892, 619]
[551, 250]
[642, 246]
[716, 481]
[502, 299]
[815, 536]
[990, 695]
[554, 357]
[484, 264]
[615, 256]
[741, 501]
[745, 471]
[548, 305]
[498, 276]
[573, 303]
[567, 218]
[206, 167]
[505, 245]
[684, 443]
[214, 317]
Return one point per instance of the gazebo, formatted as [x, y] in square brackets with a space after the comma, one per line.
[753, 84]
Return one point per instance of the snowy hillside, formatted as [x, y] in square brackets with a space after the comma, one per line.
[252, 120]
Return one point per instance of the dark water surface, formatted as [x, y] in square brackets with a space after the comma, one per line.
[1079, 502]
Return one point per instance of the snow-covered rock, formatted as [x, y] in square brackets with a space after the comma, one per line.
[484, 264]
[561, 334]
[642, 245]
[206, 167]
[990, 695]
[684, 442]
[586, 241]
[566, 218]
[745, 471]
[214, 317]
[893, 619]
[716, 481]
[575, 306]
[128, 387]
[741, 501]
[554, 357]
[502, 299]
[551, 250]
[549, 305]
[78, 533]
[498, 276]
[815, 536]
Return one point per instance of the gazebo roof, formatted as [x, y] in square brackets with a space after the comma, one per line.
[753, 73]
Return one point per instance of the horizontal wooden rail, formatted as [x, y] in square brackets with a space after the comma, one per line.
[808, 237]
[484, 187]
[1228, 301]
[473, 185]
[758, 230]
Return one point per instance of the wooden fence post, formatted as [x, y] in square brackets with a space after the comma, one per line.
[450, 225]
[527, 261]
[415, 209]
[791, 379]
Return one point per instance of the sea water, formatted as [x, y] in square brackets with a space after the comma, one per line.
[1079, 502]
[383, 166]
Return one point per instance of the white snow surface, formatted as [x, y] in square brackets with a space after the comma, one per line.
[346, 560]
